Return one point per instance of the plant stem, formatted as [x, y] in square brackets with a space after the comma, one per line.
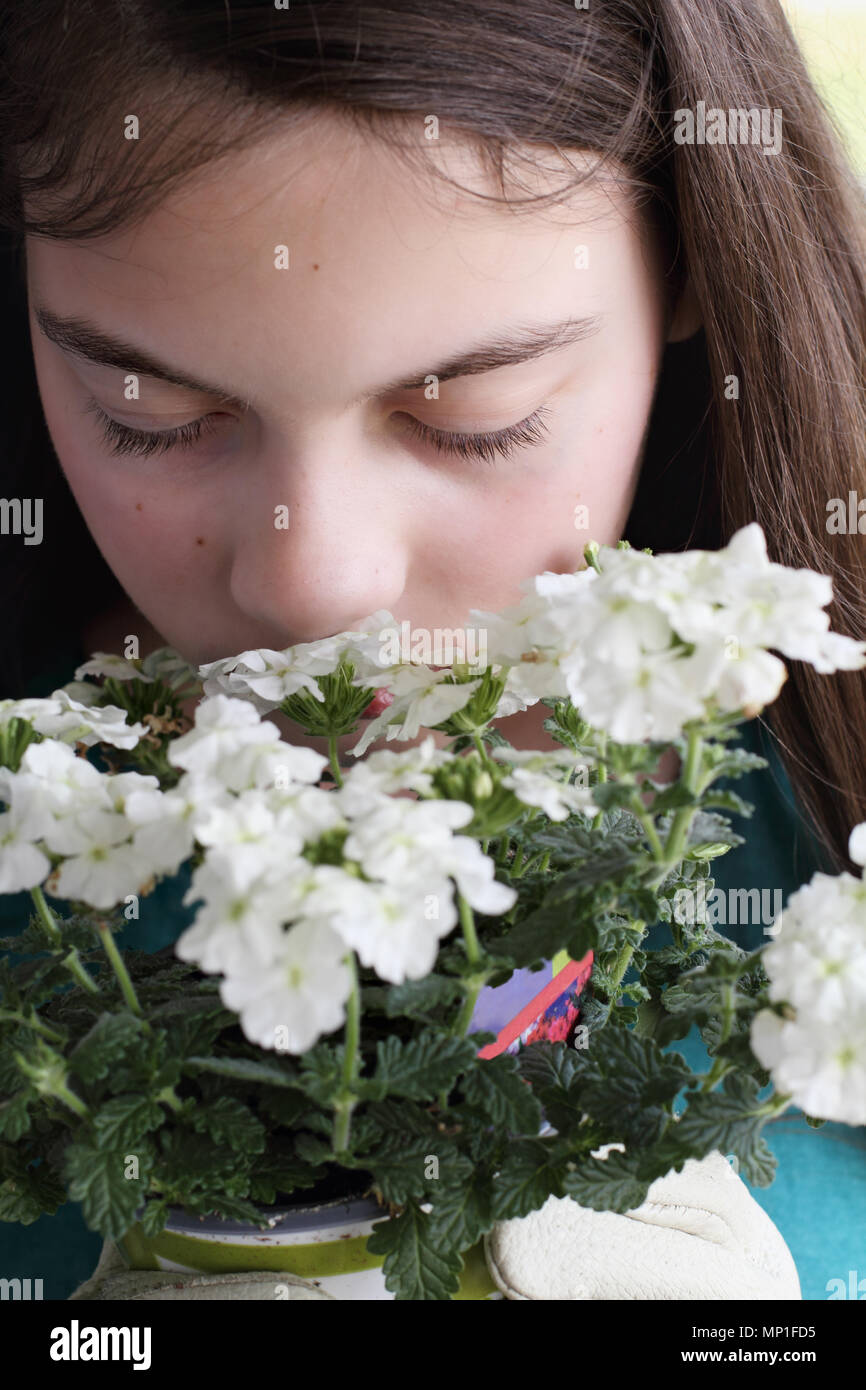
[46, 916]
[475, 983]
[346, 1100]
[34, 1022]
[335, 760]
[63, 1093]
[74, 965]
[602, 775]
[640, 812]
[623, 961]
[683, 817]
[126, 986]
[482, 752]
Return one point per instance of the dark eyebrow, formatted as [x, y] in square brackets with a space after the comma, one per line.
[507, 349]
[84, 339]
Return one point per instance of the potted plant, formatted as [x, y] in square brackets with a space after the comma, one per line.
[306, 1082]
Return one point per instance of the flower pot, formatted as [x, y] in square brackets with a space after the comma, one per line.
[324, 1242]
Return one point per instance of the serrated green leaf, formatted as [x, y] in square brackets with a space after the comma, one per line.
[608, 1184]
[95, 1177]
[496, 1088]
[107, 1042]
[121, 1121]
[415, 1268]
[241, 1069]
[14, 1115]
[228, 1121]
[421, 1068]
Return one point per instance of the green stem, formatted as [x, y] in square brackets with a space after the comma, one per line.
[46, 916]
[640, 812]
[345, 1102]
[482, 753]
[623, 961]
[683, 818]
[168, 1096]
[74, 965]
[335, 760]
[502, 852]
[34, 1022]
[126, 986]
[62, 1092]
[602, 774]
[475, 983]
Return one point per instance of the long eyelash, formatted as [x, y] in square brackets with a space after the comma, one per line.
[122, 439]
[487, 447]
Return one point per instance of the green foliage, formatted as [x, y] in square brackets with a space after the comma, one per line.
[130, 1112]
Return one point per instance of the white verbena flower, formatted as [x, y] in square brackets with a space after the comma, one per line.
[298, 995]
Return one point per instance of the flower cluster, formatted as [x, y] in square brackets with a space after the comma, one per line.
[62, 810]
[815, 1047]
[645, 644]
[295, 877]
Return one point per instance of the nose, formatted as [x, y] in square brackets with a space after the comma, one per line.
[321, 542]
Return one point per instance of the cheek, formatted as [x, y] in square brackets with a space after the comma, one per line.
[574, 491]
[151, 535]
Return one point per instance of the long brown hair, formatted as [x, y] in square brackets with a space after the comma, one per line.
[773, 242]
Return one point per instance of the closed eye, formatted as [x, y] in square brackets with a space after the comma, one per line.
[123, 439]
[486, 447]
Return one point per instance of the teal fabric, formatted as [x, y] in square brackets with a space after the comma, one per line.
[818, 1198]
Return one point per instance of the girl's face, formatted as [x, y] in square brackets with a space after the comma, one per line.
[294, 349]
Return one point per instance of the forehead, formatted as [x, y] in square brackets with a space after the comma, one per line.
[325, 252]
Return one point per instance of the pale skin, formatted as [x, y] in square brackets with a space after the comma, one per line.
[390, 277]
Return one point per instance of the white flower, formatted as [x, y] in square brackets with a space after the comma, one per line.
[51, 782]
[474, 872]
[27, 710]
[120, 668]
[22, 863]
[822, 1069]
[79, 723]
[393, 840]
[387, 771]
[298, 995]
[224, 729]
[817, 968]
[423, 697]
[243, 902]
[396, 927]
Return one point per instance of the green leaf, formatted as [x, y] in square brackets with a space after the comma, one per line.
[731, 1121]
[122, 1121]
[154, 1217]
[107, 1042]
[229, 1122]
[241, 1069]
[626, 1082]
[417, 998]
[461, 1214]
[416, 1267]
[496, 1088]
[95, 1177]
[14, 1115]
[421, 1068]
[606, 1184]
[533, 1170]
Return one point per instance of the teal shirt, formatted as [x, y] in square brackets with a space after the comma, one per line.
[818, 1198]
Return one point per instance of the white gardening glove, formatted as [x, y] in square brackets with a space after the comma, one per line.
[112, 1279]
[700, 1234]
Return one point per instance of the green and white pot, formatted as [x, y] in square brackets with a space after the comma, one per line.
[324, 1242]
